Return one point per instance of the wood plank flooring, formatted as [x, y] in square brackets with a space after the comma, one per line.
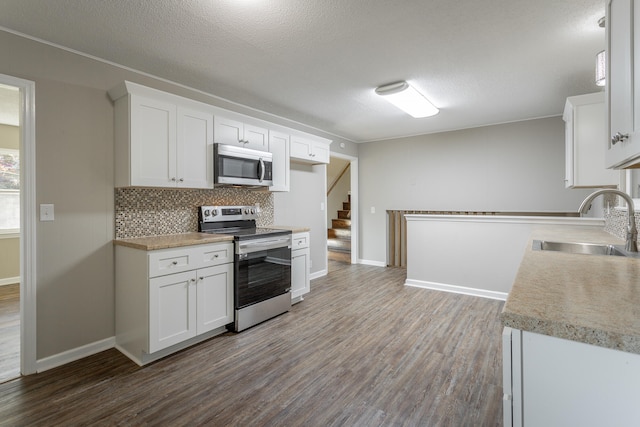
[9, 332]
[360, 350]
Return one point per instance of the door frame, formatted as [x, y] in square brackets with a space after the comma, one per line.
[354, 202]
[28, 355]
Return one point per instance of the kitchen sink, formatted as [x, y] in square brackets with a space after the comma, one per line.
[583, 248]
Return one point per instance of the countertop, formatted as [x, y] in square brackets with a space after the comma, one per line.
[172, 241]
[153, 243]
[586, 298]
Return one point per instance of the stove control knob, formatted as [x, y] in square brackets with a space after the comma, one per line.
[253, 211]
[206, 212]
[214, 212]
[246, 211]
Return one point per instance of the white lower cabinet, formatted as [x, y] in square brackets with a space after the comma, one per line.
[171, 298]
[300, 266]
[550, 381]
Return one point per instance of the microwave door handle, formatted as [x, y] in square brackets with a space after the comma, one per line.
[261, 168]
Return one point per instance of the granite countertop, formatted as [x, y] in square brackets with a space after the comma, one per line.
[586, 298]
[293, 229]
[172, 241]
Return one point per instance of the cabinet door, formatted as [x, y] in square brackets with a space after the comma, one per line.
[300, 272]
[256, 138]
[172, 310]
[194, 148]
[622, 94]
[279, 147]
[228, 131]
[309, 151]
[215, 297]
[153, 142]
[321, 153]
[300, 148]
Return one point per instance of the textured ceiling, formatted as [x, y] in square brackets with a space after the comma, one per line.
[317, 62]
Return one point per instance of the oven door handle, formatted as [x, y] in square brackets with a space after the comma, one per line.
[249, 247]
[261, 170]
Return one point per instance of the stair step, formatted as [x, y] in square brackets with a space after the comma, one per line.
[340, 223]
[339, 233]
[339, 245]
[344, 214]
[346, 206]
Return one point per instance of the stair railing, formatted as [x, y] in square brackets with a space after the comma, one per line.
[333, 184]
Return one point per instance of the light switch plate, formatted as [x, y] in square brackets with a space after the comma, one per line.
[46, 212]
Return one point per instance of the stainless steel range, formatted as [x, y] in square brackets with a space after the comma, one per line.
[262, 266]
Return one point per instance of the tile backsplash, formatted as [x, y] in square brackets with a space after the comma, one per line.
[616, 222]
[156, 211]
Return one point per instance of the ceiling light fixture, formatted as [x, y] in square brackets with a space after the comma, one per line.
[407, 98]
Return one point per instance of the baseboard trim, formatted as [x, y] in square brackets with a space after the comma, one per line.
[317, 274]
[502, 296]
[10, 281]
[373, 263]
[74, 354]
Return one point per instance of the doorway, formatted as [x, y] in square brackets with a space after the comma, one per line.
[9, 232]
[342, 208]
[17, 228]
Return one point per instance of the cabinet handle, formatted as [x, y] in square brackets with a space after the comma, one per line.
[192, 280]
[181, 180]
[215, 256]
[175, 263]
[200, 278]
[618, 137]
[173, 179]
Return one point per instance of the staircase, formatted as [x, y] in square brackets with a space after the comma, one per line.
[339, 235]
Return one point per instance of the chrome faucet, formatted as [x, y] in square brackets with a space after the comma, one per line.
[632, 231]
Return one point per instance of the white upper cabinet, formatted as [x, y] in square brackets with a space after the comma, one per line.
[161, 140]
[151, 144]
[623, 81]
[165, 140]
[195, 150]
[309, 151]
[279, 147]
[235, 132]
[584, 118]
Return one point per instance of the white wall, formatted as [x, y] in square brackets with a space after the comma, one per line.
[301, 206]
[511, 167]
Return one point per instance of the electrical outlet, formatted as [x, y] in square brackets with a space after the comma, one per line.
[373, 209]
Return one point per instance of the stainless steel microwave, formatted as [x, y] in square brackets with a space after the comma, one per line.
[239, 166]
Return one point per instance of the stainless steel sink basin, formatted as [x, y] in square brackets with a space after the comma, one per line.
[583, 248]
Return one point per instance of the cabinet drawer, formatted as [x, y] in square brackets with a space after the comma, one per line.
[300, 241]
[170, 261]
[215, 254]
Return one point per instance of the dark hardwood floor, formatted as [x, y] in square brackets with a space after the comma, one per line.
[360, 350]
[9, 332]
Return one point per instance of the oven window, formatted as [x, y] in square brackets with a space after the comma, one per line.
[237, 167]
[262, 275]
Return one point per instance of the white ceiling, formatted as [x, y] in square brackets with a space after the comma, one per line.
[317, 62]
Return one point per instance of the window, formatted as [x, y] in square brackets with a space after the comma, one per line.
[9, 191]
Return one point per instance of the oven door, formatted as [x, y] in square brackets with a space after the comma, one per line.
[262, 270]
